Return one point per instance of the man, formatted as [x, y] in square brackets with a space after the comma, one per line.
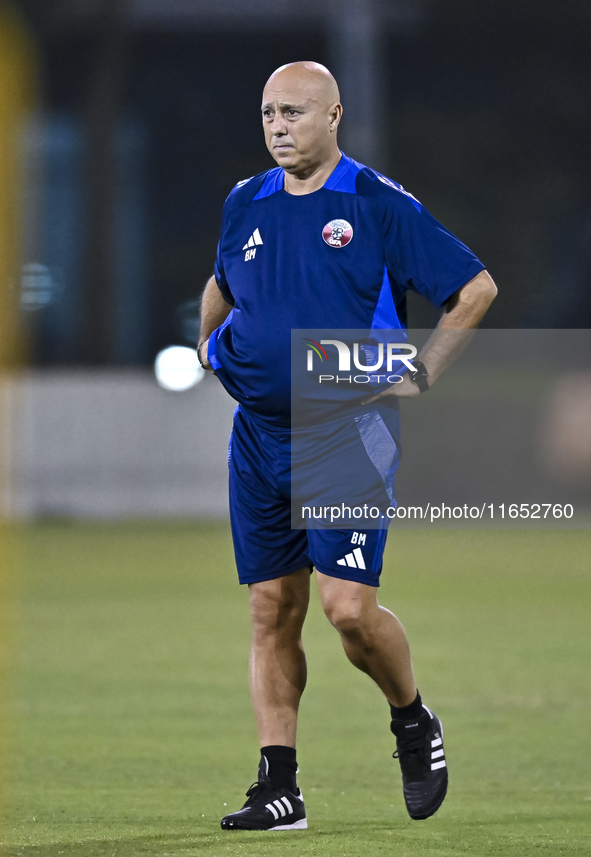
[275, 272]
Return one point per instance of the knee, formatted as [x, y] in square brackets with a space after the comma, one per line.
[347, 615]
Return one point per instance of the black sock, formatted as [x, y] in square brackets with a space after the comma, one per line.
[409, 712]
[282, 766]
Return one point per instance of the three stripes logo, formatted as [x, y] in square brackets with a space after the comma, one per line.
[251, 245]
[437, 751]
[437, 754]
[280, 808]
[353, 559]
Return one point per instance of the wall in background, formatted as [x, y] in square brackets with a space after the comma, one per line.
[110, 444]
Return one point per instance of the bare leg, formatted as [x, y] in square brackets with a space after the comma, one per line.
[373, 638]
[277, 661]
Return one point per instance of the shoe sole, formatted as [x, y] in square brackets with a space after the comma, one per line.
[302, 824]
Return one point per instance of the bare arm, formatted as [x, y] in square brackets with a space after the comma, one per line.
[214, 311]
[456, 327]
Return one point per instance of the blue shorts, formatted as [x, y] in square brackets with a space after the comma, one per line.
[265, 544]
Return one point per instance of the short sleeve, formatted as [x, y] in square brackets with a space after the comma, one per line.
[423, 255]
[219, 274]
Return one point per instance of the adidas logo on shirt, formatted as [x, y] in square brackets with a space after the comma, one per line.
[250, 247]
[353, 559]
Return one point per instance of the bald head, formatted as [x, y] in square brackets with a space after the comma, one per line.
[312, 77]
[301, 112]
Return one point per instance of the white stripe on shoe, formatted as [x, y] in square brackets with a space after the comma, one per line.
[272, 809]
[287, 804]
[280, 807]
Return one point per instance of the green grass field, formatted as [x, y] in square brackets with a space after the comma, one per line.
[131, 726]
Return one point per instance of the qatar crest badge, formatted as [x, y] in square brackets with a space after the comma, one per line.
[337, 233]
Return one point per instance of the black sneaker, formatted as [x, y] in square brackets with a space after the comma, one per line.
[419, 747]
[268, 808]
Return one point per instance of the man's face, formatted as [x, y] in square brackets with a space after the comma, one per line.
[297, 122]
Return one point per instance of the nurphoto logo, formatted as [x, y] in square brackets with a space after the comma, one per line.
[375, 357]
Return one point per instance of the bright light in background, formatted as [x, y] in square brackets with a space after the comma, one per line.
[177, 368]
[38, 287]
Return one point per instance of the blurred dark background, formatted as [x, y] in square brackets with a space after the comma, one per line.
[148, 114]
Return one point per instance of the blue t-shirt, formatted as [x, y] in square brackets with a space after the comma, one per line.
[342, 257]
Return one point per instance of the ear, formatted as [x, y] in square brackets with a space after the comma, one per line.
[334, 116]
